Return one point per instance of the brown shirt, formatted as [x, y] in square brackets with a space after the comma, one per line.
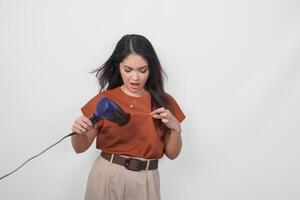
[141, 136]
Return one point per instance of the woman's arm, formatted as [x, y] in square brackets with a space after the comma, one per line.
[173, 143]
[81, 142]
[172, 139]
[86, 134]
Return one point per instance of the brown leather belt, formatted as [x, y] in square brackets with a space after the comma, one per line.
[131, 163]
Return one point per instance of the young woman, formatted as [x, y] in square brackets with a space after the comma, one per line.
[127, 168]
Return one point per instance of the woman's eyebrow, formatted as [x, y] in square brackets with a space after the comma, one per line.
[137, 68]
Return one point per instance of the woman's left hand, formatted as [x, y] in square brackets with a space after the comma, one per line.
[167, 118]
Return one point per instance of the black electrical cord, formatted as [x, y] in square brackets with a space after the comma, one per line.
[37, 155]
[106, 109]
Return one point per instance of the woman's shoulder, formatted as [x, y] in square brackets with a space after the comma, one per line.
[170, 97]
[108, 92]
[89, 107]
[175, 108]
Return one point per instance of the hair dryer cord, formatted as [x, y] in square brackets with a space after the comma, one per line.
[37, 155]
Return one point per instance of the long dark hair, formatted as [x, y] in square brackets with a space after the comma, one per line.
[109, 76]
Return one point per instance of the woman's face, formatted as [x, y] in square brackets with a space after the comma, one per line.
[134, 72]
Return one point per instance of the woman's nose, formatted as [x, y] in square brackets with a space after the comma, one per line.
[135, 75]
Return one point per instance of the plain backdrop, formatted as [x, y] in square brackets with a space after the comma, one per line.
[233, 66]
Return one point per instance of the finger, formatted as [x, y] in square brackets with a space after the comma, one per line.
[157, 116]
[159, 110]
[85, 129]
[165, 120]
[164, 114]
[87, 121]
[76, 130]
[81, 128]
[84, 125]
[81, 132]
[82, 120]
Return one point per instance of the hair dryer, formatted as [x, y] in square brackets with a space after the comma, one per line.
[105, 109]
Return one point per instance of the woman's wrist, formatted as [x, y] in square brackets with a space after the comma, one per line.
[177, 129]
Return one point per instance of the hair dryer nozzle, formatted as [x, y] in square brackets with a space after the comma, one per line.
[107, 109]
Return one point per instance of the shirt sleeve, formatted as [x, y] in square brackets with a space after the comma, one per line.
[89, 108]
[175, 109]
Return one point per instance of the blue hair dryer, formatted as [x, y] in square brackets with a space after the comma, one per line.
[106, 109]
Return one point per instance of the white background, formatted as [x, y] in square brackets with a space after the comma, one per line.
[233, 66]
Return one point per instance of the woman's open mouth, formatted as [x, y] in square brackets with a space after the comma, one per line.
[135, 85]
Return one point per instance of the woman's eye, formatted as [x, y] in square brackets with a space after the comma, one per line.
[127, 70]
[144, 70]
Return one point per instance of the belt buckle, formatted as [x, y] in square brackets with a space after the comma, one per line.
[127, 164]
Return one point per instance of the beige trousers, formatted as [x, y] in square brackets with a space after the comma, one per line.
[109, 181]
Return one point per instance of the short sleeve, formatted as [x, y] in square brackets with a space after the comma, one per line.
[175, 109]
[90, 107]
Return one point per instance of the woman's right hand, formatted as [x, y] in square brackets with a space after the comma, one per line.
[82, 125]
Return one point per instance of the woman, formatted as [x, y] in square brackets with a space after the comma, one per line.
[127, 166]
